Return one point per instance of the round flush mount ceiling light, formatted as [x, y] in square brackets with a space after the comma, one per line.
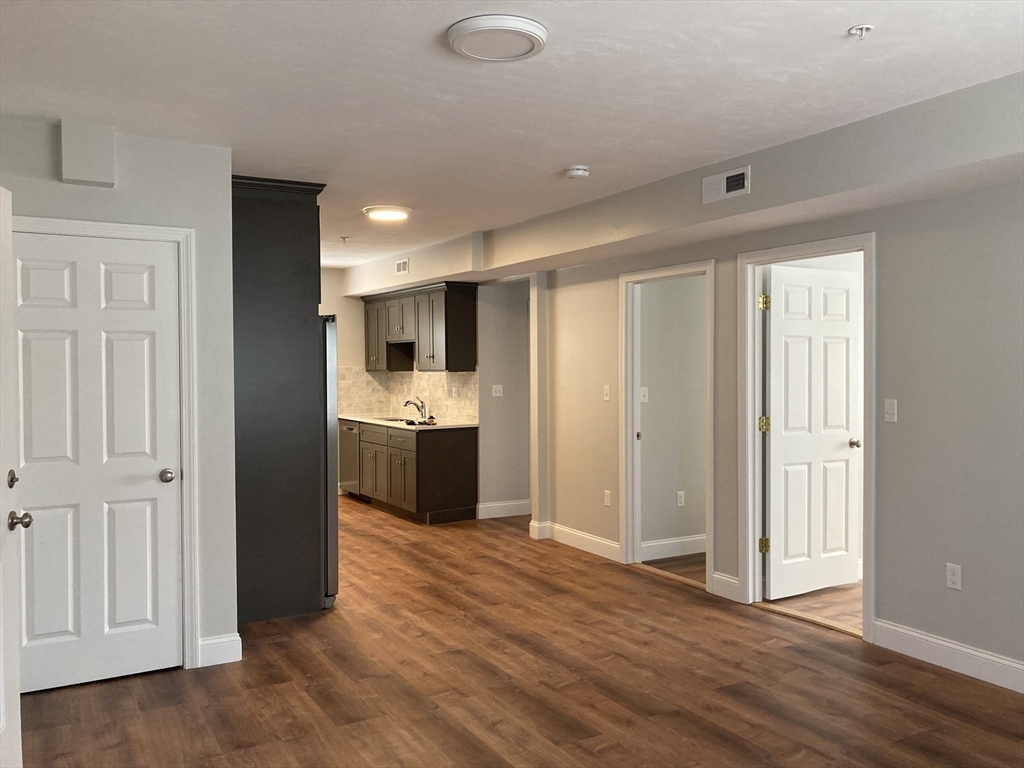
[386, 212]
[497, 37]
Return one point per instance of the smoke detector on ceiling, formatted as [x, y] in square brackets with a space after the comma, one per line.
[497, 37]
[577, 171]
[860, 31]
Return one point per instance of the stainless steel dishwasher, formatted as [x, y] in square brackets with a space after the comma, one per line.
[348, 457]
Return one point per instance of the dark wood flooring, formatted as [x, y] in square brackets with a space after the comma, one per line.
[472, 645]
[842, 605]
[687, 566]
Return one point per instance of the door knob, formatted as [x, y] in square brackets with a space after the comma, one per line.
[12, 479]
[166, 475]
[854, 442]
[13, 521]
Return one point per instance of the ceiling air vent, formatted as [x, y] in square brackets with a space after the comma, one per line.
[728, 184]
[402, 267]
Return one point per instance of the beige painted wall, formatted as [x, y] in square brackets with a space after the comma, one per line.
[174, 184]
[503, 328]
[673, 367]
[950, 277]
[351, 350]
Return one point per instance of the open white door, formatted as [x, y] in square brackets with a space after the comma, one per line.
[10, 541]
[97, 433]
[816, 375]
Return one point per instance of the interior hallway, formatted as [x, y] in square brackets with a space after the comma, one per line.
[471, 644]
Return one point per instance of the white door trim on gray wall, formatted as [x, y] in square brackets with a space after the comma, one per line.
[629, 520]
[184, 239]
[748, 401]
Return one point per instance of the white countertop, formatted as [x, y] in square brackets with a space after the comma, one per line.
[382, 421]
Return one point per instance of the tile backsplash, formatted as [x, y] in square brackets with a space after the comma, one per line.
[382, 392]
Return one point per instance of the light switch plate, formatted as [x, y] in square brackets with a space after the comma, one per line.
[889, 411]
[607, 498]
[496, 390]
[643, 395]
[607, 393]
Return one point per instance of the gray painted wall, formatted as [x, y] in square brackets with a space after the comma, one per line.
[503, 327]
[950, 276]
[673, 367]
[173, 184]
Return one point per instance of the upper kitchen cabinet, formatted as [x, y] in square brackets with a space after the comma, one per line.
[435, 325]
[401, 316]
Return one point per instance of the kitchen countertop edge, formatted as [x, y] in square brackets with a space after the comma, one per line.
[376, 420]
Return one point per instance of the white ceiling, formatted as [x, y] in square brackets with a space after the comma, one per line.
[366, 97]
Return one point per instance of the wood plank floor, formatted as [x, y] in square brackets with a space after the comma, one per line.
[688, 566]
[472, 645]
[842, 605]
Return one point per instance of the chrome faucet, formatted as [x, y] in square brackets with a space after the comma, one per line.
[420, 406]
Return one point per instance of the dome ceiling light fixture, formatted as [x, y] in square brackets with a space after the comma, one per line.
[386, 212]
[497, 37]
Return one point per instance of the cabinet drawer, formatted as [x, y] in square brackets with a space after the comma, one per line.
[370, 433]
[402, 438]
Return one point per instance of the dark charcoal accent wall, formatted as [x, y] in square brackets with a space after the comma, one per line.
[278, 397]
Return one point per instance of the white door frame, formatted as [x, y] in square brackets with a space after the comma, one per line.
[184, 240]
[629, 447]
[749, 402]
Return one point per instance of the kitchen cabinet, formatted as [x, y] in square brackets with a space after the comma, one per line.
[373, 471]
[429, 476]
[401, 319]
[376, 336]
[434, 326]
[402, 479]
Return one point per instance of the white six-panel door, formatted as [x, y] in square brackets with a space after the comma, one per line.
[10, 541]
[96, 332]
[816, 375]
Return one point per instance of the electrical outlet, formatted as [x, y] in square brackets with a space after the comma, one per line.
[953, 580]
[496, 390]
[680, 498]
[643, 395]
[455, 391]
[607, 498]
[889, 411]
[607, 393]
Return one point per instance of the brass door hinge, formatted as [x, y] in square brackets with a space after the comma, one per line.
[764, 424]
[764, 301]
[763, 546]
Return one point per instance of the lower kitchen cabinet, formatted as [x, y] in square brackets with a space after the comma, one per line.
[429, 476]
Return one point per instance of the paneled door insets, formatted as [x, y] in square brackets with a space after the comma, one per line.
[97, 338]
[816, 364]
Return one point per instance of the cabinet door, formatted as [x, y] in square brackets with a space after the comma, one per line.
[367, 475]
[393, 313]
[407, 318]
[408, 481]
[380, 473]
[396, 477]
[423, 332]
[382, 337]
[438, 360]
[370, 328]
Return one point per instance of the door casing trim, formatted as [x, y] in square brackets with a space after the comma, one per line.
[749, 460]
[184, 240]
[629, 520]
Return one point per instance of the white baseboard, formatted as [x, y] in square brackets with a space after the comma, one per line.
[677, 547]
[219, 649]
[595, 545]
[725, 586]
[491, 509]
[984, 665]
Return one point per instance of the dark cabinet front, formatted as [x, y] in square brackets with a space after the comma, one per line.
[402, 479]
[376, 337]
[401, 319]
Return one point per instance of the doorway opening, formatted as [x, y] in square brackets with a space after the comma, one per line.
[668, 368]
[808, 424]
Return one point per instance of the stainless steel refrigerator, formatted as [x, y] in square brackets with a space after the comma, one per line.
[329, 548]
